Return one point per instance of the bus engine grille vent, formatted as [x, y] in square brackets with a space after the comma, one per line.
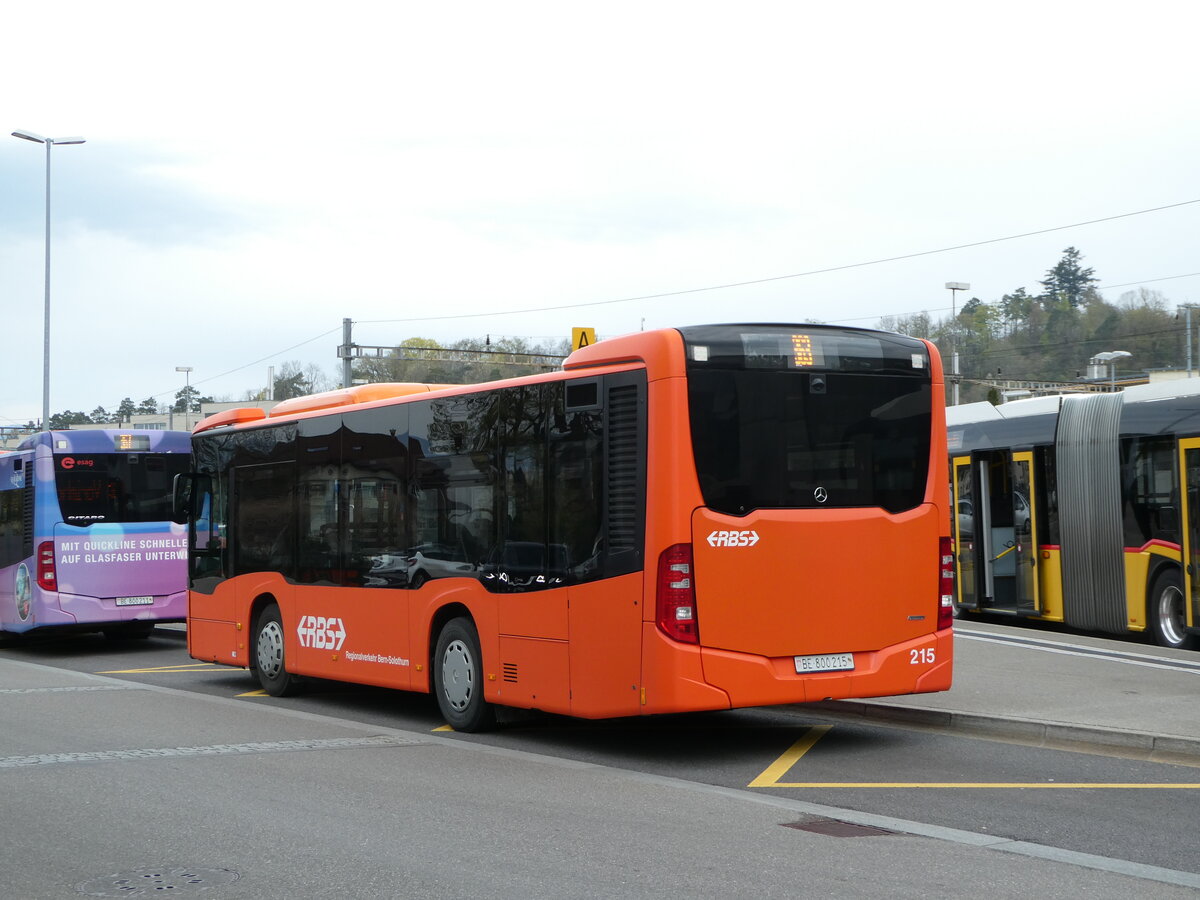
[622, 467]
[511, 673]
[27, 515]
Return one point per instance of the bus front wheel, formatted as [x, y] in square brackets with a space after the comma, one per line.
[458, 678]
[1167, 614]
[269, 662]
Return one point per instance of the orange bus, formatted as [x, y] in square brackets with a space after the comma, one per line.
[696, 518]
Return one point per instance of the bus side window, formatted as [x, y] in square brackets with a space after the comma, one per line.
[265, 498]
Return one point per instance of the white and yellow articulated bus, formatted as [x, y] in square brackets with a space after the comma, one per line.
[1082, 509]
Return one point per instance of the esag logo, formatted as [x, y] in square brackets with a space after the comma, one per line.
[733, 539]
[321, 633]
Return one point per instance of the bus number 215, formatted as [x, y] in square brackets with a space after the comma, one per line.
[925, 656]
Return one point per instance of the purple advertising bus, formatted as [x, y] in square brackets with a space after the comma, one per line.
[86, 541]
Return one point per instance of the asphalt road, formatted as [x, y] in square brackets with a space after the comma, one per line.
[126, 763]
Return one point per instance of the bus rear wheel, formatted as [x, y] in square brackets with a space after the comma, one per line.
[458, 678]
[269, 662]
[1167, 614]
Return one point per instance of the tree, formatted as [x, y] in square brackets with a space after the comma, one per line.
[126, 410]
[101, 416]
[468, 361]
[148, 407]
[68, 417]
[291, 381]
[318, 379]
[917, 325]
[1148, 331]
[188, 399]
[1070, 281]
[1015, 309]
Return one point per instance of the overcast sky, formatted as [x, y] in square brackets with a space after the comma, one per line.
[255, 172]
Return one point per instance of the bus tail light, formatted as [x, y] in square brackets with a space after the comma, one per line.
[945, 616]
[676, 603]
[47, 577]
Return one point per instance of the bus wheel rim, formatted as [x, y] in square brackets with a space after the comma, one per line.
[458, 675]
[1170, 614]
[270, 649]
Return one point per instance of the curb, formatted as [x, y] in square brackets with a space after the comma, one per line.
[1052, 735]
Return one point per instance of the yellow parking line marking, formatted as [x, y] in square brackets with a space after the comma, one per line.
[443, 728]
[983, 785]
[771, 775]
[188, 667]
[259, 693]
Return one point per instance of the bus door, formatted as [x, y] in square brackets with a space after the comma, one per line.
[1024, 549]
[963, 523]
[994, 507]
[1189, 451]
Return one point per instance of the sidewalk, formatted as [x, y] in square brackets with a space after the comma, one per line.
[1056, 693]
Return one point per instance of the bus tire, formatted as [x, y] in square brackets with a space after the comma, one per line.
[1166, 614]
[458, 678]
[269, 662]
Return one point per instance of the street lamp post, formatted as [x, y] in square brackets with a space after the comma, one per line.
[49, 142]
[954, 287]
[187, 394]
[1111, 357]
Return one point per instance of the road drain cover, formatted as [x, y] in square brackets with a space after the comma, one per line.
[834, 828]
[167, 880]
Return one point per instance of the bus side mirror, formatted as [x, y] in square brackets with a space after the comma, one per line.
[187, 496]
[181, 497]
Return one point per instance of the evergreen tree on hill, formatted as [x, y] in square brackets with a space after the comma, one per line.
[1069, 281]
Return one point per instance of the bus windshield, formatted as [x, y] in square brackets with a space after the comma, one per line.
[820, 419]
[116, 487]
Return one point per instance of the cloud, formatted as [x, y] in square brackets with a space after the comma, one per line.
[257, 172]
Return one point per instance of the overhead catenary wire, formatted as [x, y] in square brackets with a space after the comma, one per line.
[256, 362]
[822, 271]
[728, 285]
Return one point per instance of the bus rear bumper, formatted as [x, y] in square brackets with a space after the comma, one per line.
[682, 678]
[923, 665]
[82, 610]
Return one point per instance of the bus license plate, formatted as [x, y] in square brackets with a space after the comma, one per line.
[135, 601]
[825, 662]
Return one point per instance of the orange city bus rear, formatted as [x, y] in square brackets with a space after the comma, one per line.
[686, 519]
[796, 467]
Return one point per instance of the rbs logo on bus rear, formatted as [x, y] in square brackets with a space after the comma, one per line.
[320, 633]
[733, 539]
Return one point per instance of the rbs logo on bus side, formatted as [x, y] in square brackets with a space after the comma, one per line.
[321, 633]
[733, 539]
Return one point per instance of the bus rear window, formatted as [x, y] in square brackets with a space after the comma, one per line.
[794, 438]
[116, 487]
